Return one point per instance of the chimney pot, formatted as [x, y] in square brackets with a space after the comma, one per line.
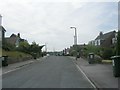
[101, 33]
[19, 35]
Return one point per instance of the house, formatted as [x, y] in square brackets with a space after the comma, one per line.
[2, 32]
[15, 39]
[67, 51]
[105, 40]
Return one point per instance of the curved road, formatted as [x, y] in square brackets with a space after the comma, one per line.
[52, 72]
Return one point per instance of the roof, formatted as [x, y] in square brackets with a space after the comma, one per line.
[13, 35]
[22, 40]
[3, 28]
[106, 35]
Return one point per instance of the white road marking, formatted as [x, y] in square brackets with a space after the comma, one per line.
[11, 70]
[85, 75]
[17, 68]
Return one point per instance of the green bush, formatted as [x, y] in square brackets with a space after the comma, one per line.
[92, 49]
[73, 53]
[23, 47]
[107, 53]
[15, 54]
[8, 47]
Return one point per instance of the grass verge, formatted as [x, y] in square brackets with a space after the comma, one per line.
[107, 61]
[15, 54]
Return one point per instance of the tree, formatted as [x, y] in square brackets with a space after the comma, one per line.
[24, 47]
[35, 49]
[32, 49]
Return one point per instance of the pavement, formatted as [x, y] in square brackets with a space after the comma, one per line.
[18, 65]
[100, 74]
[52, 72]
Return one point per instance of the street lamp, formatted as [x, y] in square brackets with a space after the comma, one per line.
[75, 37]
[45, 47]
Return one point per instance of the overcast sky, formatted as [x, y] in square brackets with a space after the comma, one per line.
[50, 22]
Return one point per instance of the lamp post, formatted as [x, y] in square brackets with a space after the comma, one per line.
[75, 37]
[46, 47]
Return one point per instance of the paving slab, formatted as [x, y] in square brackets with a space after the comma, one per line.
[100, 74]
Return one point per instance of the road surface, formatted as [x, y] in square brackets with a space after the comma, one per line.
[52, 72]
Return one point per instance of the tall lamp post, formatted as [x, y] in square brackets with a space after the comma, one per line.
[46, 47]
[75, 37]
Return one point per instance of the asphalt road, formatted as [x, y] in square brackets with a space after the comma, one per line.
[52, 72]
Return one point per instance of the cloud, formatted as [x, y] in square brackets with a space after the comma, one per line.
[49, 22]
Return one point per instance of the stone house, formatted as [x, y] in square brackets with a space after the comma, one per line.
[15, 39]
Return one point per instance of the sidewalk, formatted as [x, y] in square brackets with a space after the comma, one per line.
[100, 74]
[12, 67]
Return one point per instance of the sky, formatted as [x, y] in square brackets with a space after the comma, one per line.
[50, 21]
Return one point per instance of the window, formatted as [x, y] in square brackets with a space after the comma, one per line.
[114, 40]
[98, 42]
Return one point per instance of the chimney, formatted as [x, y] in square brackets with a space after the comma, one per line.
[101, 33]
[0, 20]
[19, 35]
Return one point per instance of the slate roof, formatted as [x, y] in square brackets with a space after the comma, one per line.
[3, 28]
[13, 35]
[105, 36]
